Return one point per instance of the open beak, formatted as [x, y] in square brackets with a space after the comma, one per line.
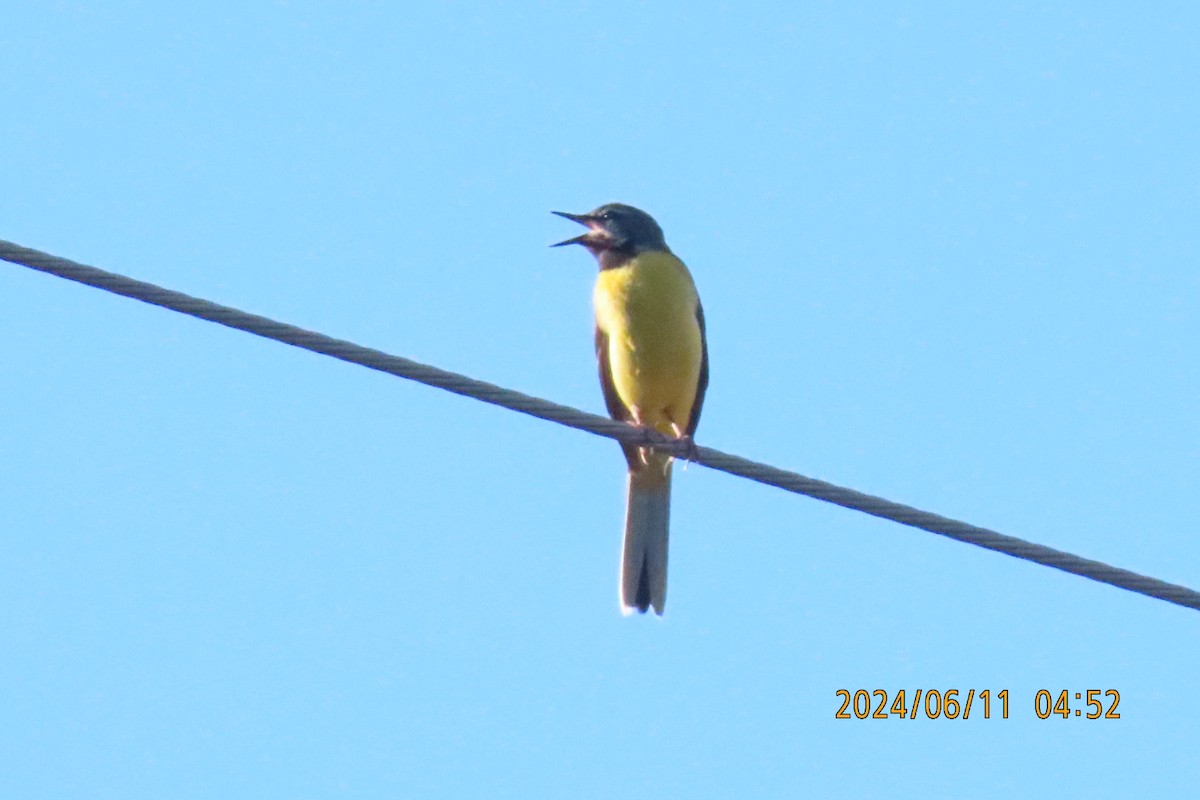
[595, 232]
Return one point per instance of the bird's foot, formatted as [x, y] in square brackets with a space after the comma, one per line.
[690, 451]
[643, 451]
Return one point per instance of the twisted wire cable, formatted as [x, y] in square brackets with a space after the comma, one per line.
[601, 426]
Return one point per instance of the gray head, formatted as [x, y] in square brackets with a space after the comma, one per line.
[616, 226]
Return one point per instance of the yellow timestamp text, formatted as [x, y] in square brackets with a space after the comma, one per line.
[1094, 704]
[961, 704]
[930, 703]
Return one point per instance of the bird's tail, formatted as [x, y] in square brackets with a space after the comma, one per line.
[647, 518]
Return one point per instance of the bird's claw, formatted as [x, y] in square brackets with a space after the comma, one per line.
[690, 451]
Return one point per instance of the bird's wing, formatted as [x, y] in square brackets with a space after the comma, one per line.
[702, 383]
[616, 408]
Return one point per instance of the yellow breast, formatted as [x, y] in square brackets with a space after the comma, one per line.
[647, 308]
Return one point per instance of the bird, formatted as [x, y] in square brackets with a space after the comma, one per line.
[652, 353]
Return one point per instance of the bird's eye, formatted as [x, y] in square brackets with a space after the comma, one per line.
[607, 215]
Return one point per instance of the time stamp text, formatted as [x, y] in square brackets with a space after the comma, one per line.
[962, 704]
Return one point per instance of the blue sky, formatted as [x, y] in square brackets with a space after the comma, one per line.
[947, 255]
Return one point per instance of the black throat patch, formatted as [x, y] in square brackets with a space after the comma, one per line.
[614, 258]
